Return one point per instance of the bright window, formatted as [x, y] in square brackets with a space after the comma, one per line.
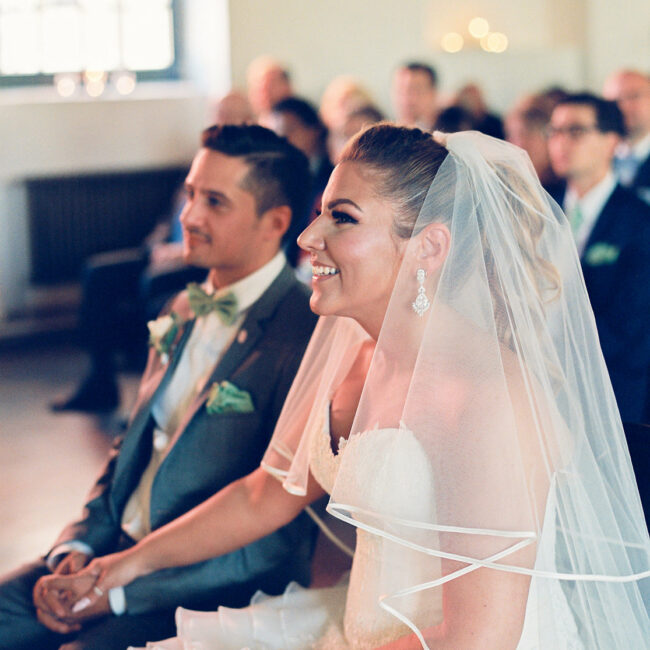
[39, 38]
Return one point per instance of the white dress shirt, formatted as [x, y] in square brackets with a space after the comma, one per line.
[591, 205]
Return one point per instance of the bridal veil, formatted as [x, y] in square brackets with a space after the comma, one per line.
[502, 384]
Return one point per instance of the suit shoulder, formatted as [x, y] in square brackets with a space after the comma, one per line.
[293, 315]
[642, 178]
[296, 301]
[625, 199]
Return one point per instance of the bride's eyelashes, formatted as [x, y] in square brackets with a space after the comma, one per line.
[341, 217]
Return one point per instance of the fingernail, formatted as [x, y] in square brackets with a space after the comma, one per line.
[80, 605]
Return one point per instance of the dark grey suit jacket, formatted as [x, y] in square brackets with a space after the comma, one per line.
[209, 452]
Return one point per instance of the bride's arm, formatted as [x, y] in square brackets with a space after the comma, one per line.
[242, 512]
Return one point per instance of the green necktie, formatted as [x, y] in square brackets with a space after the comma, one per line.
[576, 218]
[202, 303]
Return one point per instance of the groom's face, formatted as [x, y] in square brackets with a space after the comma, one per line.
[221, 227]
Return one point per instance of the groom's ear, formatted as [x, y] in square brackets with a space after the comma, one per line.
[435, 240]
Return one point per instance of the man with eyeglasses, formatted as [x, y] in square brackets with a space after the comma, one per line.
[611, 227]
[631, 90]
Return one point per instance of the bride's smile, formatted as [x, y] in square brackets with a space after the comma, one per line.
[355, 254]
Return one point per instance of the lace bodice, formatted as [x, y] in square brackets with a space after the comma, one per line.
[390, 470]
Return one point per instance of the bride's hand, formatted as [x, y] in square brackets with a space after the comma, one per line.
[90, 584]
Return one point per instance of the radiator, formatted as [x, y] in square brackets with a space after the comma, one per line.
[73, 217]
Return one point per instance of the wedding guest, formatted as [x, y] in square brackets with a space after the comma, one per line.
[631, 90]
[297, 120]
[471, 98]
[232, 108]
[453, 119]
[454, 403]
[342, 96]
[268, 82]
[415, 95]
[611, 227]
[526, 126]
[222, 358]
[353, 123]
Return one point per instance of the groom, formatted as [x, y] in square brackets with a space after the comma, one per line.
[222, 358]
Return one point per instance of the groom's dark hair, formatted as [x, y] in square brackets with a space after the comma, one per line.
[278, 172]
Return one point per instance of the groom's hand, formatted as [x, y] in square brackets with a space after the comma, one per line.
[52, 606]
[71, 563]
[53, 609]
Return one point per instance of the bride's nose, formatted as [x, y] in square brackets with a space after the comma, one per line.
[311, 238]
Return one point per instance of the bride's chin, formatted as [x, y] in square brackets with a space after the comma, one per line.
[322, 307]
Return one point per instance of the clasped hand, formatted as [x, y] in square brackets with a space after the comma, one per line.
[56, 596]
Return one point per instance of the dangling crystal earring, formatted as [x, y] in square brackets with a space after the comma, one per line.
[421, 303]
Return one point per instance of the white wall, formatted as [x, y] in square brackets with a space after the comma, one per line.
[618, 36]
[571, 42]
[42, 134]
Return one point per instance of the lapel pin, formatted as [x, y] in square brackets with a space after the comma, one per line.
[242, 336]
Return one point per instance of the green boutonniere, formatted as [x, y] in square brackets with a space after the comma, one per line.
[602, 253]
[225, 397]
[162, 333]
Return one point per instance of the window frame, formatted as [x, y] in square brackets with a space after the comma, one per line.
[171, 73]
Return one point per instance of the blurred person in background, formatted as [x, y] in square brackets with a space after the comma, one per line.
[232, 108]
[453, 119]
[611, 228]
[525, 126]
[268, 82]
[297, 120]
[471, 98]
[343, 96]
[354, 122]
[631, 90]
[415, 95]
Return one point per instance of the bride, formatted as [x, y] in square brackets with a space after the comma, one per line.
[455, 405]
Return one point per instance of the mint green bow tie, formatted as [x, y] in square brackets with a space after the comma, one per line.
[202, 303]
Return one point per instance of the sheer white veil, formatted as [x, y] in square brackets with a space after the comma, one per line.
[503, 386]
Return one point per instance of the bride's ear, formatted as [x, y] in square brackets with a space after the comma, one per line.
[435, 240]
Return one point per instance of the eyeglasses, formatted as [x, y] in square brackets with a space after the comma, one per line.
[573, 131]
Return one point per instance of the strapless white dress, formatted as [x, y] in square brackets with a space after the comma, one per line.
[391, 470]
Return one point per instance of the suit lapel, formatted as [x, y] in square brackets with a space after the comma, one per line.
[157, 376]
[244, 342]
[160, 373]
[603, 221]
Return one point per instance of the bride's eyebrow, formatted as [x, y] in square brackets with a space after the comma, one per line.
[336, 202]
